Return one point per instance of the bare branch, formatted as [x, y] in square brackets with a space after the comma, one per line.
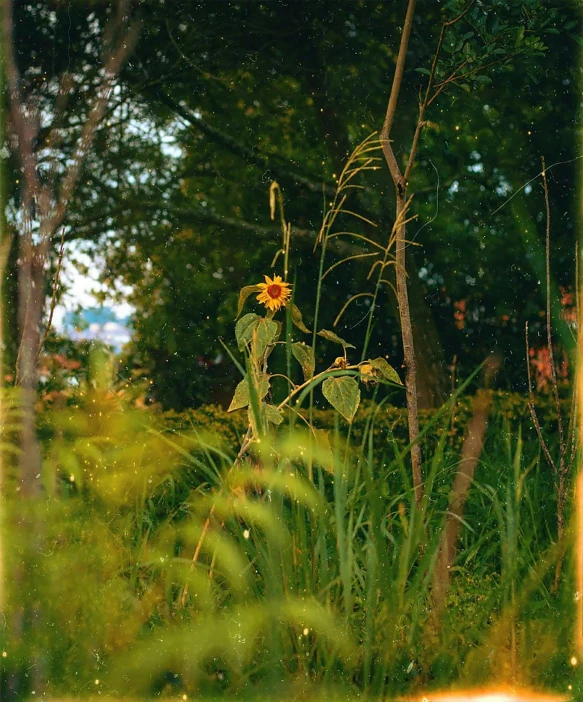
[462, 14]
[399, 69]
[83, 146]
[250, 155]
[554, 383]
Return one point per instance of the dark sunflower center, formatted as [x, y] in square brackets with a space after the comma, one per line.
[274, 291]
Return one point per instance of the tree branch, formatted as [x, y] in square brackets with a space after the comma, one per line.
[399, 69]
[250, 155]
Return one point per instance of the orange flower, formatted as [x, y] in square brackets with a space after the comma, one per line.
[274, 293]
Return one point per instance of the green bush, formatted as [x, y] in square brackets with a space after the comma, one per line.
[390, 422]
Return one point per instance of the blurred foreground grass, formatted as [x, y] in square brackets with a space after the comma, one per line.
[162, 565]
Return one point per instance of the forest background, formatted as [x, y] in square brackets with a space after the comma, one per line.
[219, 99]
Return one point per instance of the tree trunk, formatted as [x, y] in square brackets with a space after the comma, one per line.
[408, 344]
[432, 376]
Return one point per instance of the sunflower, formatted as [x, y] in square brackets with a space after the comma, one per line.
[274, 293]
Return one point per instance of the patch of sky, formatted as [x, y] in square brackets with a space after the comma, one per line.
[78, 314]
[90, 309]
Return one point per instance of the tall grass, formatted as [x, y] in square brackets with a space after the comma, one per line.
[298, 584]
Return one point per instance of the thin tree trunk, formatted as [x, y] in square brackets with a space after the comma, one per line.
[400, 183]
[31, 301]
[408, 345]
[42, 198]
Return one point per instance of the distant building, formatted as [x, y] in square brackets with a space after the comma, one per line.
[97, 323]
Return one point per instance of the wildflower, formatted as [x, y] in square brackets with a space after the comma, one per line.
[274, 293]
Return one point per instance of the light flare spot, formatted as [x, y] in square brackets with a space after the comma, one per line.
[488, 695]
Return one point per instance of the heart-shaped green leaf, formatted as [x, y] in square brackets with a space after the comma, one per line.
[343, 394]
[244, 329]
[241, 398]
[386, 370]
[263, 334]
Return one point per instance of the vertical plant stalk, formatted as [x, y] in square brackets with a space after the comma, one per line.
[356, 163]
[408, 348]
[579, 538]
[276, 197]
[5, 243]
[577, 419]
[578, 427]
[561, 473]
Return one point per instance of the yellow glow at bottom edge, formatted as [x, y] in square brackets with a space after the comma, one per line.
[487, 695]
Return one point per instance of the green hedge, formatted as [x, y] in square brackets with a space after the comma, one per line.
[390, 424]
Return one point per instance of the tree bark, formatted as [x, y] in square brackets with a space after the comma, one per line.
[408, 344]
[432, 390]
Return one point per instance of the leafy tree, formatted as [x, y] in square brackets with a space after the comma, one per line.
[221, 98]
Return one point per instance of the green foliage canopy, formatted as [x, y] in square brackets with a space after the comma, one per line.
[219, 99]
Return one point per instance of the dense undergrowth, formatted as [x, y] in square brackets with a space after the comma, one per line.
[390, 424]
[164, 564]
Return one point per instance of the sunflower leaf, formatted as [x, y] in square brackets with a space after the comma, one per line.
[330, 336]
[305, 356]
[242, 398]
[343, 394]
[273, 414]
[244, 329]
[386, 370]
[298, 321]
[244, 294]
[264, 332]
